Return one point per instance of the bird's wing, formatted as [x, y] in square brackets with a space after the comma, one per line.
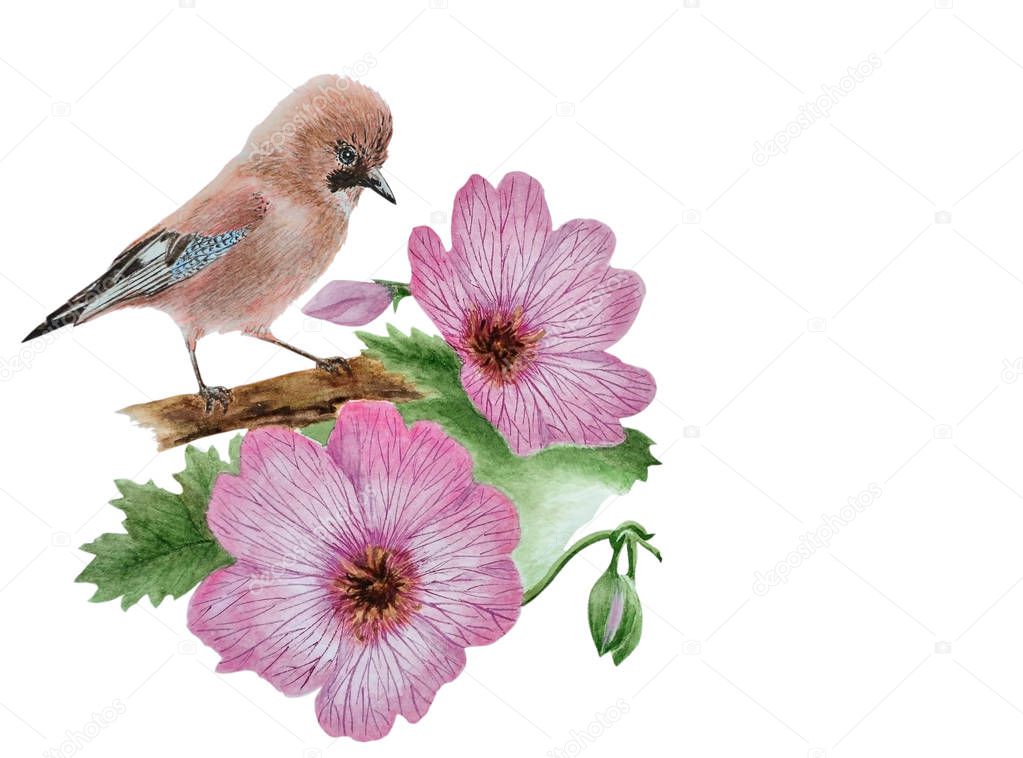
[172, 253]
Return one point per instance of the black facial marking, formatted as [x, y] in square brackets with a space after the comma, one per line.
[340, 178]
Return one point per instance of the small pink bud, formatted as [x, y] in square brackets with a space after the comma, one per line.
[349, 303]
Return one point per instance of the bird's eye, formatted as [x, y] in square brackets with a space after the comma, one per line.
[346, 154]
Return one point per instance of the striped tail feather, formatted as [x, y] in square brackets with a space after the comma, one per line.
[67, 315]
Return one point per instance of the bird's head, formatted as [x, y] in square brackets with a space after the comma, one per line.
[325, 142]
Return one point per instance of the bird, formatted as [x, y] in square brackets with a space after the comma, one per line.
[237, 254]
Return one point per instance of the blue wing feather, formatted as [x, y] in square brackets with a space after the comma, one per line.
[202, 251]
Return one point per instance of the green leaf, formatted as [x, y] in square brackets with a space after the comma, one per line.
[556, 490]
[320, 431]
[167, 548]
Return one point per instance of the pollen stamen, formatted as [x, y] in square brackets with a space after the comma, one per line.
[500, 343]
[375, 591]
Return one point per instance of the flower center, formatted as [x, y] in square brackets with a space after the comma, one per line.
[500, 343]
[375, 591]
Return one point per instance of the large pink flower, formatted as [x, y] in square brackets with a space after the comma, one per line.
[531, 310]
[363, 569]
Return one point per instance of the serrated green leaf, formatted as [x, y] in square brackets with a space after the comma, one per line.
[556, 490]
[167, 548]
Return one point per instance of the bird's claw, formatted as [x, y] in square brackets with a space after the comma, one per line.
[214, 396]
[335, 365]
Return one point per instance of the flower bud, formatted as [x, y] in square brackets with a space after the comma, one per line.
[616, 616]
[349, 303]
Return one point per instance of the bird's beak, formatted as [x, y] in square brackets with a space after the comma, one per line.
[375, 181]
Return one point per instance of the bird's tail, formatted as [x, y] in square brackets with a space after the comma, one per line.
[67, 315]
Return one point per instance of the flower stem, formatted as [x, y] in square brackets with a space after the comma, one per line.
[626, 535]
[559, 564]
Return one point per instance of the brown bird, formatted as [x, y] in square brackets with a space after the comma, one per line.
[255, 238]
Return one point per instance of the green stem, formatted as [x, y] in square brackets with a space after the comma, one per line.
[636, 528]
[617, 541]
[653, 550]
[559, 564]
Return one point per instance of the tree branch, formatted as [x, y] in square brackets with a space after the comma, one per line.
[292, 400]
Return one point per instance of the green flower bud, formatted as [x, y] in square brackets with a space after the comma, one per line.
[616, 616]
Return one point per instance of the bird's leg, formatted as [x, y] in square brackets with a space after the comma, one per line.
[331, 365]
[211, 396]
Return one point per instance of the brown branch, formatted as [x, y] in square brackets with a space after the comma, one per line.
[292, 400]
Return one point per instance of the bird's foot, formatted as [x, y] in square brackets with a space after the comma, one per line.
[335, 365]
[214, 396]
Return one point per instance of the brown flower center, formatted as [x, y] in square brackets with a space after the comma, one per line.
[375, 591]
[500, 343]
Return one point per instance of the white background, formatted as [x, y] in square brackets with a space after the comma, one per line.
[847, 315]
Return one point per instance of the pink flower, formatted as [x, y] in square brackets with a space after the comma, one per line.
[531, 312]
[363, 569]
[348, 303]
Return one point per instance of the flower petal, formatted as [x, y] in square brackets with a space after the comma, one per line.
[498, 238]
[376, 682]
[573, 263]
[280, 626]
[468, 585]
[597, 318]
[436, 284]
[525, 227]
[401, 476]
[287, 508]
[572, 398]
[476, 240]
[348, 303]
